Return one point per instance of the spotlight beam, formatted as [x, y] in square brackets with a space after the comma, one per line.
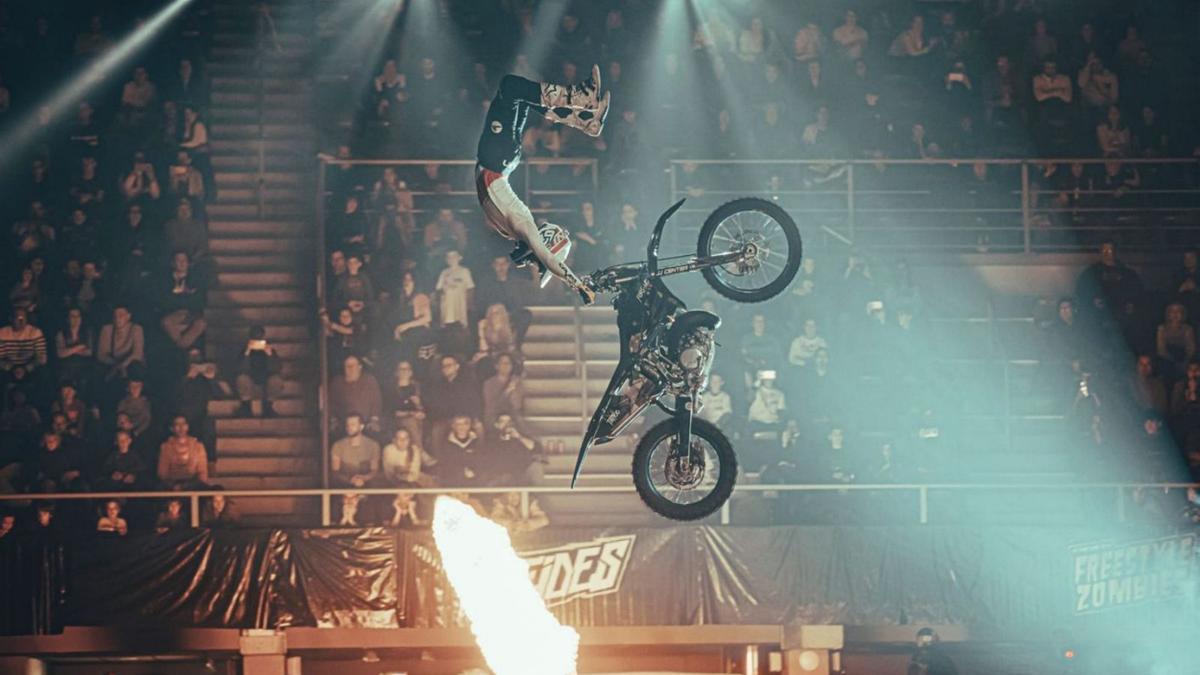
[94, 73]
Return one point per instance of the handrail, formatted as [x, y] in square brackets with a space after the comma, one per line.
[922, 490]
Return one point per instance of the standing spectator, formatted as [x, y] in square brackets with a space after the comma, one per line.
[1053, 95]
[355, 392]
[354, 458]
[1099, 87]
[112, 522]
[258, 375]
[1042, 46]
[1185, 284]
[121, 344]
[182, 459]
[402, 461]
[455, 288]
[182, 302]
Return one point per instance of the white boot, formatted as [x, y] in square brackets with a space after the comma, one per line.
[589, 120]
[586, 94]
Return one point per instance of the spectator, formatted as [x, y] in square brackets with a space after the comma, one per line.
[503, 393]
[451, 392]
[460, 454]
[71, 407]
[769, 403]
[185, 233]
[804, 346]
[507, 512]
[58, 468]
[354, 288]
[496, 335]
[403, 401]
[1113, 136]
[1042, 46]
[512, 293]
[1108, 283]
[760, 350]
[455, 289]
[219, 511]
[186, 181]
[511, 454]
[123, 469]
[1175, 339]
[136, 406]
[354, 459]
[121, 344]
[1099, 87]
[171, 517]
[141, 185]
[355, 392]
[1185, 284]
[182, 460]
[912, 43]
[26, 294]
[182, 302]
[258, 375]
[851, 38]
[7, 523]
[809, 44]
[344, 337]
[74, 346]
[402, 459]
[22, 347]
[404, 512]
[200, 385]
[112, 522]
[715, 403]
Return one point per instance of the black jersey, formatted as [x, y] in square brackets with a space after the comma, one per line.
[500, 142]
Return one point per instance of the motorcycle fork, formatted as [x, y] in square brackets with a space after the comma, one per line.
[683, 423]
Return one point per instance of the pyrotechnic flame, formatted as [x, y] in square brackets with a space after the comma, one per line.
[513, 628]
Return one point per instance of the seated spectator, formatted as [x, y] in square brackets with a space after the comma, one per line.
[137, 98]
[121, 344]
[760, 350]
[70, 406]
[496, 334]
[354, 288]
[26, 293]
[510, 454]
[1098, 86]
[851, 38]
[1052, 94]
[512, 292]
[403, 400]
[1146, 390]
[460, 454]
[715, 403]
[1108, 283]
[506, 511]
[836, 462]
[112, 522]
[258, 375]
[182, 460]
[451, 392]
[769, 403]
[404, 512]
[200, 385]
[402, 461]
[354, 459]
[140, 185]
[171, 517]
[136, 405]
[912, 42]
[186, 181]
[58, 468]
[1112, 136]
[503, 393]
[1175, 340]
[455, 289]
[74, 346]
[804, 346]
[22, 348]
[123, 469]
[345, 336]
[219, 511]
[184, 232]
[182, 302]
[355, 392]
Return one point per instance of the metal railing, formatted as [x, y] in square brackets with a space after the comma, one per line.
[1120, 492]
[930, 204]
[464, 192]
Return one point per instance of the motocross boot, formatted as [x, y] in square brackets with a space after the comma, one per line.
[585, 94]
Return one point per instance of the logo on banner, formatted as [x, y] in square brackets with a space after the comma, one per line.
[1113, 575]
[579, 570]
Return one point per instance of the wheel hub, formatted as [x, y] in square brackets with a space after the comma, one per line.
[685, 473]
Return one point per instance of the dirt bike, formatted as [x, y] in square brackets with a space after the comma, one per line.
[684, 467]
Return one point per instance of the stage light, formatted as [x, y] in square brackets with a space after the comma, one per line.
[92, 75]
[1069, 654]
[809, 661]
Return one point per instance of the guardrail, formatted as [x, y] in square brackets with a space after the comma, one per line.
[931, 203]
[922, 491]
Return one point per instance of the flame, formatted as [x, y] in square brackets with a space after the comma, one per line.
[513, 628]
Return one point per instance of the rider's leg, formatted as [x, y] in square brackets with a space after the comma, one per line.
[585, 94]
[522, 225]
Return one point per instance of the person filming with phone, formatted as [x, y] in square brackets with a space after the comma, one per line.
[258, 375]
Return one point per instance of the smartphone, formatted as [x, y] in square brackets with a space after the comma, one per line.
[258, 345]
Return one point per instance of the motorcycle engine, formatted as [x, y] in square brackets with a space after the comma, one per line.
[696, 358]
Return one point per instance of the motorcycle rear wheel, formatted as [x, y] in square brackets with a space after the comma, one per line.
[657, 445]
[751, 221]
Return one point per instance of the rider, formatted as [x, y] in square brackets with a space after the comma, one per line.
[578, 106]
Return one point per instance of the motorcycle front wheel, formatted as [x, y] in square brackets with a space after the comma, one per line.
[765, 230]
[684, 485]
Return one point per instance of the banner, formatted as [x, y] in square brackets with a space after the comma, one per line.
[993, 579]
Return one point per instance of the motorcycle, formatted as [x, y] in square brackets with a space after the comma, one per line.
[684, 467]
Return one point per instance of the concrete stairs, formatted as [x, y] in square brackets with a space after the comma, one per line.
[570, 353]
[262, 236]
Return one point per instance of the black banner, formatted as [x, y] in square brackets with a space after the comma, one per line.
[994, 578]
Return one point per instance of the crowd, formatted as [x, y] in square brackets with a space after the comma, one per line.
[104, 367]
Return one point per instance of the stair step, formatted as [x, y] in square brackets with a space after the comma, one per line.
[261, 261]
[222, 146]
[601, 350]
[290, 407]
[271, 162]
[551, 369]
[250, 115]
[287, 351]
[271, 196]
[261, 245]
[268, 445]
[268, 68]
[278, 426]
[551, 332]
[268, 483]
[271, 298]
[254, 82]
[228, 131]
[560, 405]
[271, 179]
[245, 211]
[234, 334]
[262, 467]
[236, 229]
[258, 315]
[259, 280]
[228, 50]
[550, 350]
[540, 387]
[558, 425]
